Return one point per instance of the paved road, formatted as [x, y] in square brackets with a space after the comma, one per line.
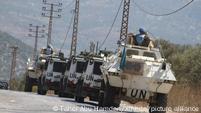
[21, 102]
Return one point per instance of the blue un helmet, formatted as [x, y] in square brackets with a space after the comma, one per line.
[142, 31]
[140, 37]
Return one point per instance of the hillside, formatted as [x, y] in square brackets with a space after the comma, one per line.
[24, 51]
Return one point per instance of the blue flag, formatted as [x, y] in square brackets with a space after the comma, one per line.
[123, 59]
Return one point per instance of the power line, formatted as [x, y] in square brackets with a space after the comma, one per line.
[165, 14]
[110, 30]
[68, 30]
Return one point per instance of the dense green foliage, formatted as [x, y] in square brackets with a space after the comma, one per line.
[185, 60]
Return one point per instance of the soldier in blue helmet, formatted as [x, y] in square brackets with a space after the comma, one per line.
[140, 37]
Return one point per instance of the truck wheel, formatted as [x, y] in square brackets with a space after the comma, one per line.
[101, 94]
[78, 97]
[41, 90]
[67, 95]
[159, 105]
[109, 96]
[100, 98]
[61, 88]
[28, 84]
[64, 94]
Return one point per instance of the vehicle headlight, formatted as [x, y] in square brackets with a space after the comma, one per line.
[49, 74]
[43, 60]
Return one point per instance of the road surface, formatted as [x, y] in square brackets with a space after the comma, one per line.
[21, 102]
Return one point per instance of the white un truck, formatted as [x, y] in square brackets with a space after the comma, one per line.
[89, 83]
[75, 68]
[51, 75]
[32, 75]
[136, 73]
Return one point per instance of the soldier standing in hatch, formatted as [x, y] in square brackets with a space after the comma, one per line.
[143, 39]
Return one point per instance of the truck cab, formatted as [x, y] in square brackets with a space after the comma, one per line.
[76, 69]
[90, 82]
[54, 71]
[32, 74]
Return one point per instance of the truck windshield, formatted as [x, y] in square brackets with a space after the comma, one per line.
[134, 67]
[59, 67]
[81, 67]
[149, 54]
[97, 69]
[132, 52]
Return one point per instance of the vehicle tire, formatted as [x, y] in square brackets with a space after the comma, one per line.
[159, 105]
[28, 84]
[79, 98]
[56, 92]
[61, 88]
[109, 96]
[67, 95]
[41, 90]
[101, 94]
[100, 98]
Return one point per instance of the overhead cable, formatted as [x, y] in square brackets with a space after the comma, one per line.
[68, 30]
[110, 30]
[165, 14]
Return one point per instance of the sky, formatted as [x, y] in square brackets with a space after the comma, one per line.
[96, 17]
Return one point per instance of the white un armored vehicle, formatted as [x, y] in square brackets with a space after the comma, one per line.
[32, 75]
[75, 68]
[136, 73]
[35, 68]
[52, 73]
[90, 82]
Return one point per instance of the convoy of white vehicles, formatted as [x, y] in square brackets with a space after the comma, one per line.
[136, 73]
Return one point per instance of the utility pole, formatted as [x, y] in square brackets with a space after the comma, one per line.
[50, 14]
[92, 47]
[125, 20]
[97, 47]
[75, 29]
[36, 33]
[13, 66]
